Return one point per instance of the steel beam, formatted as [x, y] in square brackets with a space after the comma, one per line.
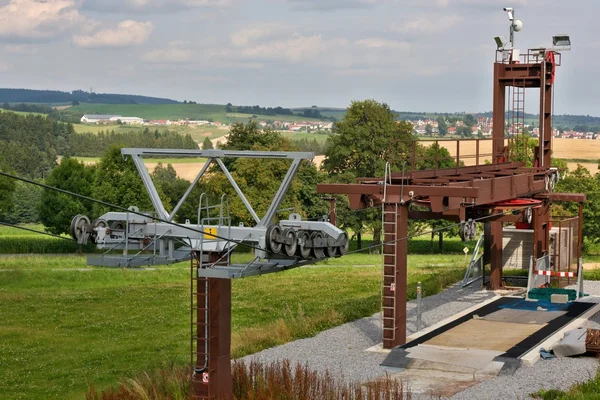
[283, 188]
[150, 188]
[238, 190]
[218, 153]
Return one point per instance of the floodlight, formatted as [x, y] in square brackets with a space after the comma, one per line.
[500, 42]
[517, 25]
[561, 42]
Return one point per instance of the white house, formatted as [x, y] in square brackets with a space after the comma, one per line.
[128, 120]
[98, 118]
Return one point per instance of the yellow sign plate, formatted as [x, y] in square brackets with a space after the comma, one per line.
[210, 233]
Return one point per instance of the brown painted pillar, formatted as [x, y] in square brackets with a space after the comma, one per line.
[212, 370]
[545, 148]
[499, 106]
[395, 251]
[496, 235]
[541, 230]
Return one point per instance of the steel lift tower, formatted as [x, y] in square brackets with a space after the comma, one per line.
[473, 190]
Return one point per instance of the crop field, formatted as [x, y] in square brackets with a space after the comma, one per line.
[198, 133]
[574, 151]
[321, 138]
[216, 112]
[64, 324]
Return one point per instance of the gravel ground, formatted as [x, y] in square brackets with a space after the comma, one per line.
[341, 350]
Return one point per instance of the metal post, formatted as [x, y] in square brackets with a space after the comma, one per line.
[496, 255]
[212, 372]
[418, 306]
[530, 278]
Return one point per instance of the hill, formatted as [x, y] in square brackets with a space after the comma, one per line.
[59, 97]
[209, 112]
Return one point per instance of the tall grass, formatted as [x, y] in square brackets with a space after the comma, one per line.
[256, 381]
[40, 245]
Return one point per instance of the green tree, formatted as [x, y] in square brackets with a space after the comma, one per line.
[207, 144]
[7, 188]
[172, 187]
[26, 199]
[362, 143]
[428, 130]
[469, 120]
[367, 138]
[442, 126]
[118, 182]
[56, 210]
[582, 181]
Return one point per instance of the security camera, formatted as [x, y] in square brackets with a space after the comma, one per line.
[507, 9]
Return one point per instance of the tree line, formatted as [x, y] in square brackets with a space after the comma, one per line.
[57, 96]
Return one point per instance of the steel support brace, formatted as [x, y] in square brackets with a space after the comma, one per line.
[238, 190]
[395, 252]
[150, 188]
[285, 184]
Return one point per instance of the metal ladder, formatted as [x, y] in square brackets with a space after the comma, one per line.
[388, 306]
[199, 331]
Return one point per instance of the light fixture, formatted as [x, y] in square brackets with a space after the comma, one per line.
[500, 42]
[511, 13]
[561, 42]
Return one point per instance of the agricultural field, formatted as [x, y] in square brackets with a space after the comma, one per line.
[321, 138]
[65, 324]
[198, 133]
[215, 112]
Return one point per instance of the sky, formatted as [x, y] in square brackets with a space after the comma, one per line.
[415, 55]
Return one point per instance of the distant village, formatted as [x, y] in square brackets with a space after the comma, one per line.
[484, 125]
[299, 126]
[422, 127]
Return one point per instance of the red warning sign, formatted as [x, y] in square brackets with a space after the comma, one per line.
[205, 377]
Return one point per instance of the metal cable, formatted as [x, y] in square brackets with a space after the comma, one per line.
[36, 231]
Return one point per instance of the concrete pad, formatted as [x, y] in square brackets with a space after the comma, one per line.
[446, 321]
[475, 359]
[443, 380]
[486, 335]
[523, 316]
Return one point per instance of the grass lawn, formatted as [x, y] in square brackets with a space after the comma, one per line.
[64, 324]
[321, 138]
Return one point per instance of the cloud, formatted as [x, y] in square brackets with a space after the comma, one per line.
[127, 33]
[296, 48]
[247, 35]
[331, 5]
[428, 24]
[379, 43]
[177, 52]
[38, 19]
[153, 5]
[21, 49]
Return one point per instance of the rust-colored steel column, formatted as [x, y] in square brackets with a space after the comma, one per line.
[545, 148]
[541, 230]
[580, 233]
[496, 235]
[212, 370]
[395, 251]
[499, 106]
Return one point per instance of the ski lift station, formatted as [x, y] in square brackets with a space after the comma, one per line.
[506, 204]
